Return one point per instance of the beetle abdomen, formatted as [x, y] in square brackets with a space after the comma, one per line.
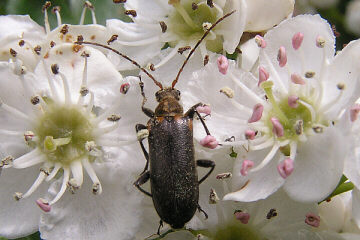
[174, 182]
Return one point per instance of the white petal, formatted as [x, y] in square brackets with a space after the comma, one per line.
[259, 18]
[344, 70]
[114, 214]
[180, 235]
[311, 27]
[356, 206]
[13, 28]
[257, 185]
[19, 218]
[318, 166]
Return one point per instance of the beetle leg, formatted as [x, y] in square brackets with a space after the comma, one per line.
[139, 128]
[206, 164]
[160, 226]
[141, 180]
[148, 112]
[190, 113]
[201, 210]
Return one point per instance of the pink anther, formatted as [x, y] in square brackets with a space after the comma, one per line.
[209, 142]
[278, 128]
[204, 109]
[242, 217]
[286, 167]
[223, 64]
[260, 41]
[354, 111]
[245, 166]
[297, 40]
[263, 75]
[124, 88]
[281, 57]
[257, 113]
[43, 205]
[297, 79]
[293, 101]
[250, 134]
[312, 220]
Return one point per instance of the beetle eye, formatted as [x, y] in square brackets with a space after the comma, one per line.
[178, 92]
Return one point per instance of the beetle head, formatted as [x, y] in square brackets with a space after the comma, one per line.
[162, 94]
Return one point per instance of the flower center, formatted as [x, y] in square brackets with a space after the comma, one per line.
[292, 114]
[63, 132]
[189, 22]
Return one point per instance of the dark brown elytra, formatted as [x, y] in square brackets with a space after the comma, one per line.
[171, 157]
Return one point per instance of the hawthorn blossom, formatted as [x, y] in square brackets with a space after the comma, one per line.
[182, 23]
[25, 40]
[69, 124]
[288, 117]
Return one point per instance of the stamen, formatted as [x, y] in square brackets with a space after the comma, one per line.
[46, 18]
[63, 185]
[227, 91]
[209, 142]
[184, 14]
[320, 42]
[6, 162]
[223, 176]
[114, 118]
[297, 79]
[56, 11]
[309, 74]
[257, 113]
[271, 214]
[43, 204]
[124, 88]
[260, 41]
[171, 54]
[312, 220]
[204, 109]
[223, 64]
[333, 102]
[286, 167]
[263, 75]
[93, 149]
[90, 105]
[281, 57]
[310, 108]
[163, 26]
[97, 189]
[243, 217]
[130, 12]
[66, 88]
[278, 128]
[297, 40]
[50, 82]
[35, 185]
[299, 127]
[247, 91]
[213, 197]
[250, 134]
[354, 111]
[293, 101]
[53, 172]
[246, 165]
[77, 172]
[18, 196]
[269, 142]
[29, 159]
[267, 159]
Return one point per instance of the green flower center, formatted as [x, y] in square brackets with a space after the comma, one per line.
[187, 22]
[237, 231]
[63, 132]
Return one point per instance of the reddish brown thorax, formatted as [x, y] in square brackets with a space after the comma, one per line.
[169, 105]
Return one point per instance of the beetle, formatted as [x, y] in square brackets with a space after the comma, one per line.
[171, 157]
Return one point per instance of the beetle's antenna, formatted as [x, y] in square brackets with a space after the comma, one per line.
[197, 44]
[124, 56]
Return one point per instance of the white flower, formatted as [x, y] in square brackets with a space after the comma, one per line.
[294, 135]
[23, 39]
[352, 17]
[339, 215]
[66, 120]
[182, 23]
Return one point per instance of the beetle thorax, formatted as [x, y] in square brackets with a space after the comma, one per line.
[169, 104]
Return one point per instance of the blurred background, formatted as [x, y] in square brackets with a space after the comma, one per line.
[344, 15]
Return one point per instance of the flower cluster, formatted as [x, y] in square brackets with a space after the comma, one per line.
[277, 117]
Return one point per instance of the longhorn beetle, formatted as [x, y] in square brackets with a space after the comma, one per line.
[172, 174]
